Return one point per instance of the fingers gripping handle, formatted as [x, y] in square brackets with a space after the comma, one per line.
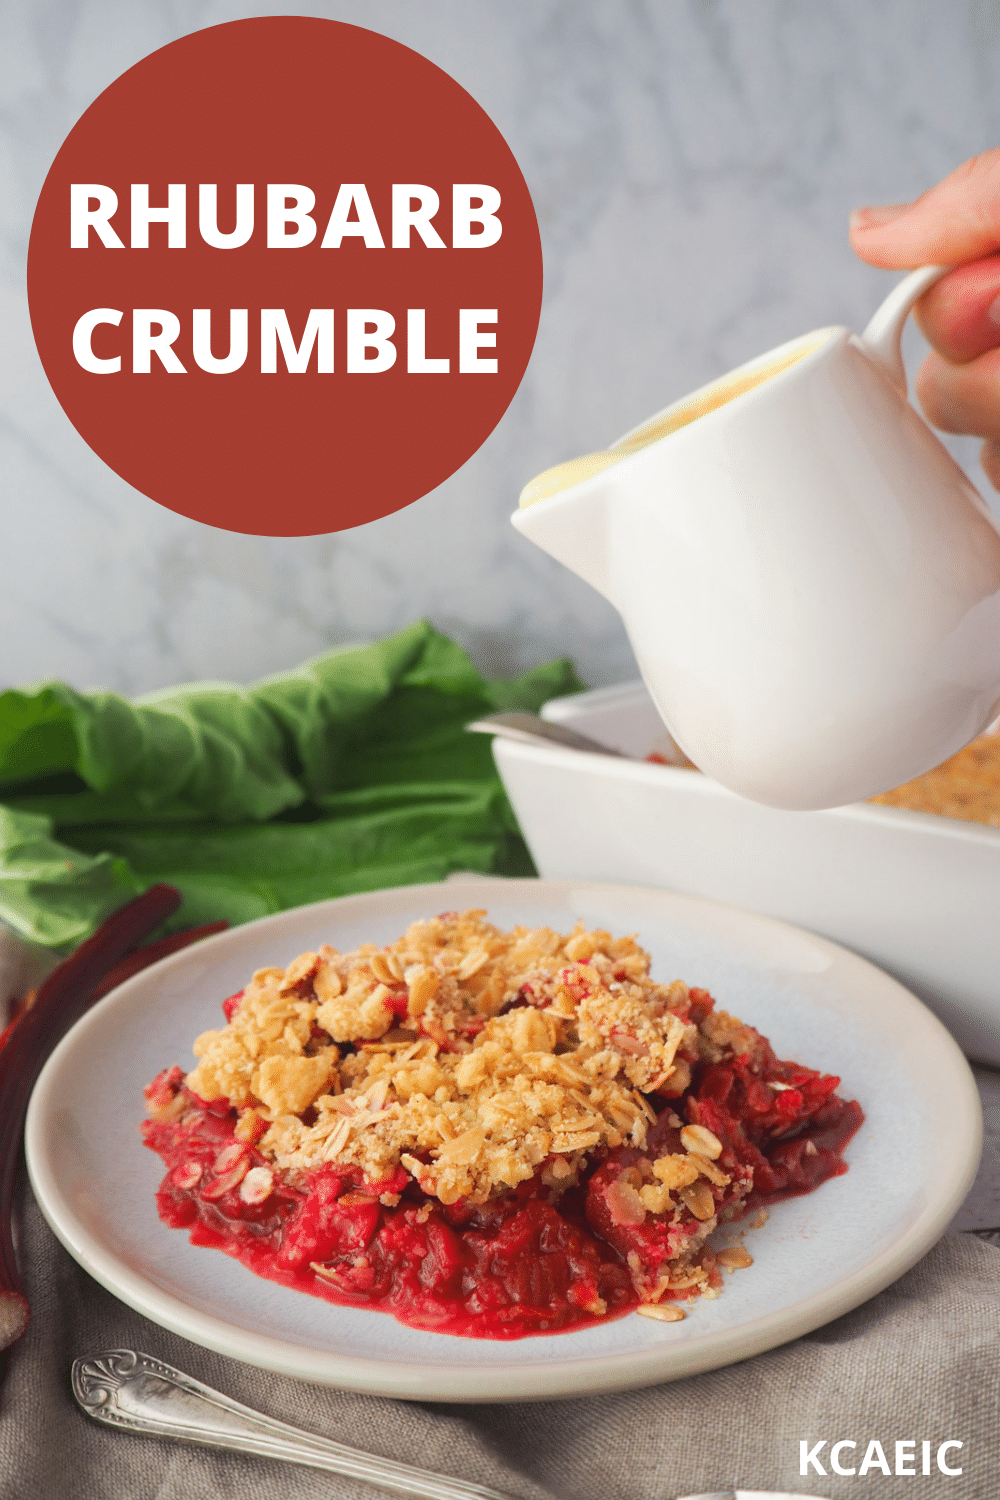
[882, 336]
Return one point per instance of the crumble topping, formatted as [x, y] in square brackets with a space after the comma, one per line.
[966, 786]
[466, 1055]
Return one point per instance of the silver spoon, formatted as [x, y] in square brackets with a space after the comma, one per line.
[137, 1393]
[530, 728]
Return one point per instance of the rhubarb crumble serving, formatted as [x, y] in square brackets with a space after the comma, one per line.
[487, 1133]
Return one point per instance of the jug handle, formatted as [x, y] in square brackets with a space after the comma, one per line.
[881, 339]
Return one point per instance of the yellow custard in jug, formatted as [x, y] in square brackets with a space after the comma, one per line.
[708, 399]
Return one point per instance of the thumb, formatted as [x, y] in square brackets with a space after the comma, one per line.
[955, 222]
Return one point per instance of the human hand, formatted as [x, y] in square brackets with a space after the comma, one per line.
[955, 223]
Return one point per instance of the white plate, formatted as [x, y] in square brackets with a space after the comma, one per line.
[817, 1257]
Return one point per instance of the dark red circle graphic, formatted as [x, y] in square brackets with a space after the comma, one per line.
[284, 276]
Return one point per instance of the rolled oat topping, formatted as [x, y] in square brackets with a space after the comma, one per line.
[465, 1054]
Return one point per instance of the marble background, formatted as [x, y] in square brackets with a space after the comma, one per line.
[692, 163]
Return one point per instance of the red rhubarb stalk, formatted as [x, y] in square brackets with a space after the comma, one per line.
[132, 963]
[151, 953]
[61, 998]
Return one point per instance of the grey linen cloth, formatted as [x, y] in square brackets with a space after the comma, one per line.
[920, 1361]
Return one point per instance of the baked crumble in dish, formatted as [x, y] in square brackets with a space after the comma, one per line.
[966, 786]
[487, 1133]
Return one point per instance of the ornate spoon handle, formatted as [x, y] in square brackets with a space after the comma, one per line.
[748, 1495]
[125, 1389]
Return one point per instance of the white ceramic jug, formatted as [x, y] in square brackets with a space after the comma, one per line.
[809, 582]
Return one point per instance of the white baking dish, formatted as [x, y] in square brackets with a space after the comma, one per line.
[917, 894]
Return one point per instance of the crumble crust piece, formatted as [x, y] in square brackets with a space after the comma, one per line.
[408, 1055]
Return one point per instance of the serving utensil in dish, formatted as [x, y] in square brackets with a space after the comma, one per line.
[533, 729]
[815, 1258]
[529, 729]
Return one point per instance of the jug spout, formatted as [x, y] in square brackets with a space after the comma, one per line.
[570, 521]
